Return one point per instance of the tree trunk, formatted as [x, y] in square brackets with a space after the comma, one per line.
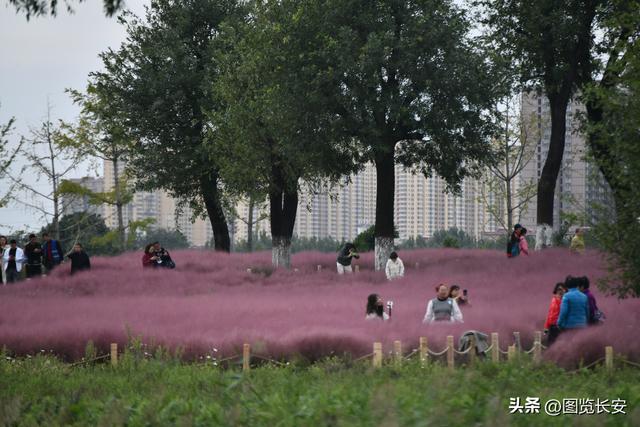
[283, 210]
[549, 175]
[119, 204]
[250, 225]
[55, 223]
[385, 191]
[213, 204]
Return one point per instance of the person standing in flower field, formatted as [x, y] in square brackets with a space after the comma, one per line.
[33, 252]
[394, 268]
[52, 253]
[13, 260]
[577, 242]
[345, 256]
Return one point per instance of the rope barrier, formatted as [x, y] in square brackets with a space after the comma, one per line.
[366, 356]
[462, 352]
[630, 363]
[489, 348]
[410, 355]
[502, 352]
[530, 351]
[257, 356]
[587, 367]
[434, 353]
[82, 362]
[227, 358]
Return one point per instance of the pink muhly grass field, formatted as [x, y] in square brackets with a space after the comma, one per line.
[211, 305]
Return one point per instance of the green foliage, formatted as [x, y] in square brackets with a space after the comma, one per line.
[7, 156]
[457, 238]
[86, 229]
[169, 239]
[35, 8]
[366, 241]
[161, 391]
[262, 242]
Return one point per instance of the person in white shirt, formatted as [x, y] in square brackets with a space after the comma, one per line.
[3, 246]
[12, 262]
[394, 268]
[375, 308]
[442, 308]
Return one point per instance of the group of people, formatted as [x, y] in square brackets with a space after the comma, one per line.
[445, 307]
[517, 243]
[573, 306]
[394, 269]
[155, 256]
[38, 258]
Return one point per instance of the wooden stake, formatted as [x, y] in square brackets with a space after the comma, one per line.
[511, 352]
[495, 347]
[608, 358]
[424, 350]
[537, 347]
[248, 270]
[397, 351]
[377, 354]
[319, 267]
[246, 357]
[472, 350]
[357, 269]
[114, 354]
[417, 265]
[450, 355]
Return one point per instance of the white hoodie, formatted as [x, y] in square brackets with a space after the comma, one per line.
[394, 270]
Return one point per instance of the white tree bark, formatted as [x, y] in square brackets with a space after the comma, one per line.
[281, 252]
[384, 247]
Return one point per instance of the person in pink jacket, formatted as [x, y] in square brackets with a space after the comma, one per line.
[524, 246]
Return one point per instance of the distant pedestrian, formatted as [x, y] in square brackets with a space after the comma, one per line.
[523, 244]
[577, 242]
[13, 260]
[79, 259]
[33, 252]
[551, 324]
[52, 253]
[442, 308]
[375, 308]
[595, 315]
[345, 256]
[394, 268]
[513, 245]
[574, 308]
[4, 246]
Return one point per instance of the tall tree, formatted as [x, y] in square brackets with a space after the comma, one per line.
[162, 77]
[273, 135]
[48, 156]
[45, 7]
[101, 133]
[408, 84]
[551, 44]
[7, 155]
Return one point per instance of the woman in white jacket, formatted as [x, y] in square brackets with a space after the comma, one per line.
[442, 308]
[394, 268]
[12, 261]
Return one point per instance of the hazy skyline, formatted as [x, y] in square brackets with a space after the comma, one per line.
[39, 59]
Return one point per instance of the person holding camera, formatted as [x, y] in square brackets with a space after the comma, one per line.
[375, 308]
[345, 256]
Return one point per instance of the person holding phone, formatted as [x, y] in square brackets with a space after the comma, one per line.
[375, 308]
[460, 298]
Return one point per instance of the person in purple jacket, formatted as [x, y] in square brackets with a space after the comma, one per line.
[594, 313]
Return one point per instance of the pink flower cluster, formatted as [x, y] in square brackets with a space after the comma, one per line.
[211, 301]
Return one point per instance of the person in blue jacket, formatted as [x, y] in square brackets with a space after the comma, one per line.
[574, 309]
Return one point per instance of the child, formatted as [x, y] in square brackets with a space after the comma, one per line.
[394, 268]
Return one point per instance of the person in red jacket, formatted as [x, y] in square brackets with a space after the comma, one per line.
[149, 259]
[551, 324]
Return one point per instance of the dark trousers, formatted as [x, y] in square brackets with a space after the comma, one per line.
[554, 331]
[12, 275]
[34, 270]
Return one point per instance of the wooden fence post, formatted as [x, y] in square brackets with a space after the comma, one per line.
[249, 270]
[516, 341]
[424, 350]
[377, 354]
[357, 269]
[450, 355]
[537, 347]
[114, 354]
[608, 358]
[495, 347]
[319, 267]
[511, 352]
[246, 357]
[472, 350]
[417, 265]
[397, 351]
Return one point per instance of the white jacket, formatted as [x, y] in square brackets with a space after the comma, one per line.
[19, 259]
[456, 314]
[394, 270]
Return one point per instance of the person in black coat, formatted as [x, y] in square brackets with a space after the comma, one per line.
[79, 259]
[33, 253]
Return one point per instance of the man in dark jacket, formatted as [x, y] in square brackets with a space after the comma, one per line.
[79, 259]
[513, 248]
[52, 253]
[33, 253]
[346, 254]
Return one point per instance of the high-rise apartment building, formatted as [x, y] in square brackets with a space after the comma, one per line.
[75, 204]
[580, 186]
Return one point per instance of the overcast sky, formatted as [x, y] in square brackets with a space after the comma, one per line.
[39, 59]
